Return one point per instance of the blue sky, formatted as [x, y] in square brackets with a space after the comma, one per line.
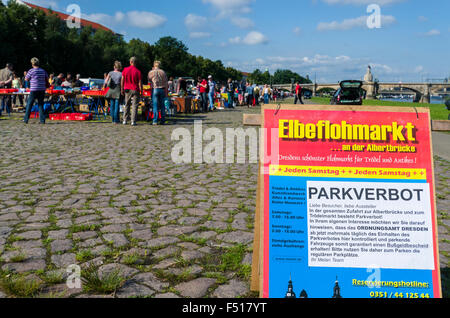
[325, 39]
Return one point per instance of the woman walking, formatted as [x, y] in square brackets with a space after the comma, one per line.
[38, 79]
[113, 80]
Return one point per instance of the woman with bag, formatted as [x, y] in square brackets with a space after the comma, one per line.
[112, 81]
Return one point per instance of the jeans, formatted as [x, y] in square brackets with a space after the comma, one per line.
[250, 100]
[298, 98]
[204, 102]
[159, 94]
[6, 104]
[115, 110]
[266, 98]
[40, 95]
[211, 101]
[230, 100]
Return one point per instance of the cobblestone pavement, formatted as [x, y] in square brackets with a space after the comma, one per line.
[110, 198]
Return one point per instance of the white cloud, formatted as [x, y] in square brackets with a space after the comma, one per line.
[193, 21]
[327, 68]
[347, 24]
[433, 32]
[297, 31]
[145, 19]
[227, 7]
[139, 19]
[199, 35]
[243, 23]
[419, 69]
[422, 19]
[234, 11]
[43, 3]
[252, 38]
[363, 2]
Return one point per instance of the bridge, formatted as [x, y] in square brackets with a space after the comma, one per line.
[422, 91]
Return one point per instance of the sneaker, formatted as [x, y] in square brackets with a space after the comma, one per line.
[155, 124]
[124, 122]
[133, 124]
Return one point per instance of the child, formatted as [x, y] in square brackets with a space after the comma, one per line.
[17, 84]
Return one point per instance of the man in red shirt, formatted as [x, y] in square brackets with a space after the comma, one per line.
[203, 86]
[132, 88]
[298, 94]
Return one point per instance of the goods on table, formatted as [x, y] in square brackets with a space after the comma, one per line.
[71, 117]
[8, 90]
[100, 92]
[55, 92]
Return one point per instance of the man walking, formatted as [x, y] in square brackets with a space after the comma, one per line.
[38, 79]
[158, 78]
[298, 94]
[6, 78]
[212, 92]
[131, 85]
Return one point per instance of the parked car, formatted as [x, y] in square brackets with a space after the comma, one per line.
[349, 93]
[307, 93]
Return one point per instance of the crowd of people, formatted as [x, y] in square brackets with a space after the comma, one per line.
[127, 84]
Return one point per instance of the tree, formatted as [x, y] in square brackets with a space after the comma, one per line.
[286, 76]
[26, 32]
[171, 52]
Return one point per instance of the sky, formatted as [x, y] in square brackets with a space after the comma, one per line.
[328, 40]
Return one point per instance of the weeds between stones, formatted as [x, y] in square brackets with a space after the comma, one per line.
[16, 285]
[104, 284]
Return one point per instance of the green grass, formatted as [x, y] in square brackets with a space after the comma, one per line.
[18, 258]
[19, 286]
[84, 256]
[438, 111]
[105, 284]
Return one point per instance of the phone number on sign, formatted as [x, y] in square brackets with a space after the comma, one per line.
[376, 294]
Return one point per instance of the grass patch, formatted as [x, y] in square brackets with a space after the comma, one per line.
[83, 228]
[53, 277]
[104, 284]
[19, 286]
[130, 259]
[20, 257]
[84, 256]
[231, 260]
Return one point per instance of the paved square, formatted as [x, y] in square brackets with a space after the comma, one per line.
[110, 195]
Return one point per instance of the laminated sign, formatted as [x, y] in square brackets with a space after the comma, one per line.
[347, 204]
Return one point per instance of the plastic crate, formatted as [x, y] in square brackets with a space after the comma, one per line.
[96, 92]
[71, 117]
[55, 92]
[34, 115]
[55, 116]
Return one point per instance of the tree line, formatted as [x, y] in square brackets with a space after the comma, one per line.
[27, 32]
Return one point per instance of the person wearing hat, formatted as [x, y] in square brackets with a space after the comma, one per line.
[212, 91]
[38, 79]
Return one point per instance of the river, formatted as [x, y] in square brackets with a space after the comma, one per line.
[434, 100]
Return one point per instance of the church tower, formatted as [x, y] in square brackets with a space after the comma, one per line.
[290, 292]
[337, 290]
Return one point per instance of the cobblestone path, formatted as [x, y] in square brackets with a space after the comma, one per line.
[109, 198]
